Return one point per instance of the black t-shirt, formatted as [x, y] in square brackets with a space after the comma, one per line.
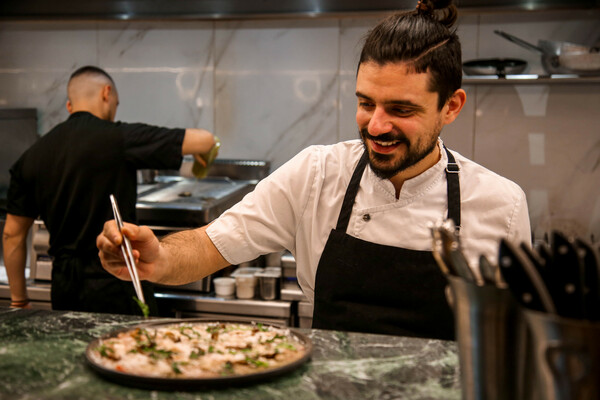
[66, 177]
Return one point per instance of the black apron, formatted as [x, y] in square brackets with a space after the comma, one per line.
[367, 287]
[81, 284]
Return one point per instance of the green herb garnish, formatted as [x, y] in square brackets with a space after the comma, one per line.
[256, 362]
[143, 306]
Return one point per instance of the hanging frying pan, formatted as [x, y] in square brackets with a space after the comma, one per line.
[495, 66]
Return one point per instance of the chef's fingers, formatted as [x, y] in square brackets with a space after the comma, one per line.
[114, 264]
[200, 160]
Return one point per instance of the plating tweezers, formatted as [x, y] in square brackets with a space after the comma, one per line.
[127, 252]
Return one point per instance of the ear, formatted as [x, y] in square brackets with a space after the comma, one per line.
[106, 90]
[69, 106]
[453, 106]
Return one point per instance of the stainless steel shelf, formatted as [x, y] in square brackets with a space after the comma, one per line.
[211, 304]
[529, 80]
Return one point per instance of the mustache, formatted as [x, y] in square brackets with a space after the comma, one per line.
[386, 137]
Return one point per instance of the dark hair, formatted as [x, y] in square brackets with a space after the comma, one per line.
[425, 40]
[90, 70]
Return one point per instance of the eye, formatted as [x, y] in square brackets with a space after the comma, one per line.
[402, 111]
[365, 104]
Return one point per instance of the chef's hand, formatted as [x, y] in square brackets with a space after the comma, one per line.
[146, 250]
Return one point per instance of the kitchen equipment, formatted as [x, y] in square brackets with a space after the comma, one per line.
[189, 202]
[453, 256]
[523, 279]
[561, 57]
[40, 268]
[564, 277]
[488, 271]
[146, 176]
[591, 279]
[245, 282]
[269, 283]
[495, 66]
[488, 329]
[224, 286]
[127, 252]
[567, 354]
[18, 131]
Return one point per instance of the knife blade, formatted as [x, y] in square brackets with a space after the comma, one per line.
[544, 251]
[591, 279]
[523, 279]
[453, 254]
[538, 262]
[565, 277]
[488, 271]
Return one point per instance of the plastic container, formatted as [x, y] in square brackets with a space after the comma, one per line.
[245, 286]
[269, 283]
[224, 287]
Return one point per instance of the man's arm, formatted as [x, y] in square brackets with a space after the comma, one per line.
[179, 258]
[14, 240]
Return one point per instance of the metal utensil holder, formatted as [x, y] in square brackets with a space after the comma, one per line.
[567, 353]
[494, 349]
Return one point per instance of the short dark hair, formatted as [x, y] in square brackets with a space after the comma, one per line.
[91, 70]
[425, 40]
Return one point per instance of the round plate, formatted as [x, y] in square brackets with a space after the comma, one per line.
[152, 382]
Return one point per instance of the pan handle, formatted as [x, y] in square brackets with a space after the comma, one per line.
[520, 42]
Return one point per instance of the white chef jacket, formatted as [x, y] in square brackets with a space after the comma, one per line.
[297, 205]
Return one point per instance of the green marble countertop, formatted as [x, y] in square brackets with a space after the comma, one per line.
[42, 357]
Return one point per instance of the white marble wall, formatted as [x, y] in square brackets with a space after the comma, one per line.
[269, 88]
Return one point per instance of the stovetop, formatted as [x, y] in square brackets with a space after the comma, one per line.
[189, 202]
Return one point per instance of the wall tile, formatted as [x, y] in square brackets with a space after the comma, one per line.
[276, 87]
[352, 33]
[163, 71]
[542, 138]
[37, 60]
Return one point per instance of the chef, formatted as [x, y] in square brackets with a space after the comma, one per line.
[356, 214]
[66, 179]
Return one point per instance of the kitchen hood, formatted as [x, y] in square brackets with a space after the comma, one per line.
[235, 9]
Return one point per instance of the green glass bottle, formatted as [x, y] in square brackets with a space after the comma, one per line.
[200, 171]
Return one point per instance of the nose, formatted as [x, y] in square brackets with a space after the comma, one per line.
[380, 122]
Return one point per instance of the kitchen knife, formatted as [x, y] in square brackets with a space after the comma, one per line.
[488, 271]
[564, 277]
[523, 279]
[438, 252]
[591, 279]
[455, 259]
[538, 262]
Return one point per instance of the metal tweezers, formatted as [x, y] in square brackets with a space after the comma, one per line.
[127, 252]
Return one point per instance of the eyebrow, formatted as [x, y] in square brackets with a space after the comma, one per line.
[393, 102]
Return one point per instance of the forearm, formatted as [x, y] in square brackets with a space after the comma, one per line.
[188, 256]
[197, 141]
[15, 256]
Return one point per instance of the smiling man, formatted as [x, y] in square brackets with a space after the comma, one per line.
[356, 214]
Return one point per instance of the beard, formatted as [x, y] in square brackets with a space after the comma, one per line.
[384, 166]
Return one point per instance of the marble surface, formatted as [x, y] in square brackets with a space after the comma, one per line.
[269, 88]
[42, 357]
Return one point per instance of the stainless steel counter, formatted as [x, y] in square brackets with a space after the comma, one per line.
[191, 305]
[186, 305]
[39, 294]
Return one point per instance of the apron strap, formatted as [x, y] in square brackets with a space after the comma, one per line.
[452, 171]
[344, 217]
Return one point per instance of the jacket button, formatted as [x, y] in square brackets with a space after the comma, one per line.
[366, 217]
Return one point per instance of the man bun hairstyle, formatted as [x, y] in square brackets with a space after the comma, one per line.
[425, 39]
